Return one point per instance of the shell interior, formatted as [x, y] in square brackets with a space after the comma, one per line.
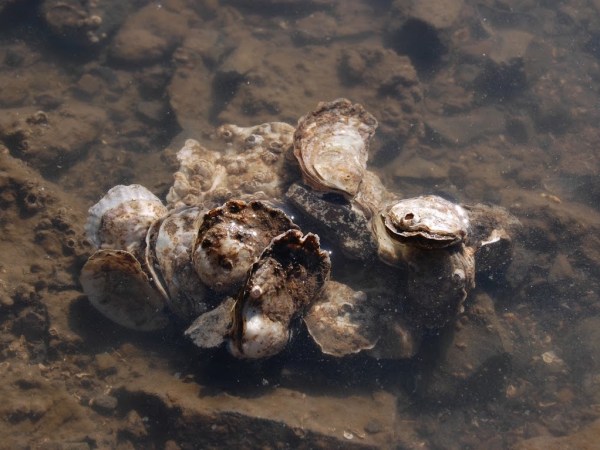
[331, 145]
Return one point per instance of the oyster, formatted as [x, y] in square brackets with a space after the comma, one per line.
[116, 278]
[280, 285]
[428, 221]
[172, 248]
[118, 287]
[231, 238]
[331, 145]
[122, 217]
[251, 165]
[342, 321]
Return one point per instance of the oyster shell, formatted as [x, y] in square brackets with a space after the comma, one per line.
[331, 145]
[231, 238]
[342, 321]
[122, 217]
[280, 285]
[118, 287]
[177, 232]
[428, 221]
[252, 164]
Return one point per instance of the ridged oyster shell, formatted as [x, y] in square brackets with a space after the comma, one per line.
[231, 238]
[281, 284]
[122, 217]
[331, 145]
[428, 221]
[119, 288]
[341, 321]
[175, 237]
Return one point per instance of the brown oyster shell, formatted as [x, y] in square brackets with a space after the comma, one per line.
[118, 287]
[331, 145]
[231, 238]
[428, 221]
[280, 285]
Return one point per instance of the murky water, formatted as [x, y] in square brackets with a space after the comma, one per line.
[479, 102]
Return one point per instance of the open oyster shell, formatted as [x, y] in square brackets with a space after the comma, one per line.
[118, 287]
[280, 285]
[331, 145]
[231, 238]
[122, 217]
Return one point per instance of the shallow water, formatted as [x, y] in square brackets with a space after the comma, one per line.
[479, 102]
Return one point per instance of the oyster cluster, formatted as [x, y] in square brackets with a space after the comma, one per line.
[225, 258]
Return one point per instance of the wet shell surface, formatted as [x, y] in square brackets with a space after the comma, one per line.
[118, 287]
[231, 238]
[122, 217]
[331, 145]
[252, 163]
[187, 295]
[428, 221]
[341, 321]
[280, 285]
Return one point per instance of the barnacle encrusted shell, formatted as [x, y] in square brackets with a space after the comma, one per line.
[118, 287]
[331, 145]
[173, 252]
[341, 321]
[122, 217]
[280, 285]
[231, 238]
[428, 221]
[251, 163]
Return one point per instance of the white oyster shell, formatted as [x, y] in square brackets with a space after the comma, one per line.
[122, 217]
[251, 163]
[428, 221]
[118, 287]
[331, 145]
